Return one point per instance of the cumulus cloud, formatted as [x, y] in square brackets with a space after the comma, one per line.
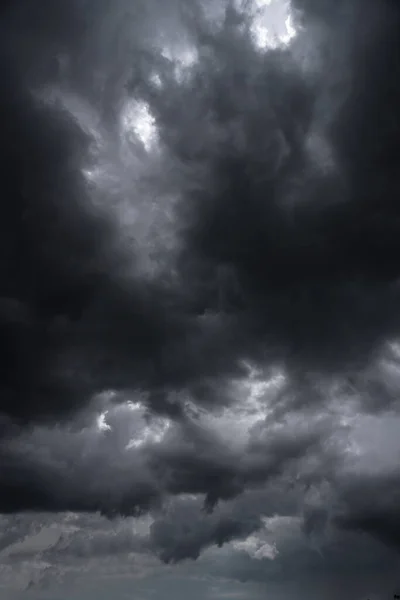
[199, 274]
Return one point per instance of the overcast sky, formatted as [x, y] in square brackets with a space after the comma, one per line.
[199, 299]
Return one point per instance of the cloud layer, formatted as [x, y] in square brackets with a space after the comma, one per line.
[199, 268]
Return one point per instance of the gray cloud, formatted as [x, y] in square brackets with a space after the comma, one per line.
[200, 326]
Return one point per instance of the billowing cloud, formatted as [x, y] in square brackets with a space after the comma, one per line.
[199, 275]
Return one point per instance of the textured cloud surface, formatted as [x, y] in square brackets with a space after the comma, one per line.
[199, 303]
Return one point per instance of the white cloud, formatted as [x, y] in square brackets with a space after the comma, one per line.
[137, 123]
[256, 548]
[273, 26]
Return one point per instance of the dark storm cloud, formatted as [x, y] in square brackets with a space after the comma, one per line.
[345, 566]
[88, 470]
[183, 532]
[263, 231]
[278, 259]
[59, 257]
[379, 516]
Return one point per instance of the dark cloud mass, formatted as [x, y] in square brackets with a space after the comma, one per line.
[149, 284]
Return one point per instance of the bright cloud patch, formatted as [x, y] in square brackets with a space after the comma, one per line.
[256, 548]
[139, 124]
[273, 26]
[133, 424]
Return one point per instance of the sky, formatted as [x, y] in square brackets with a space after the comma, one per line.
[199, 300]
